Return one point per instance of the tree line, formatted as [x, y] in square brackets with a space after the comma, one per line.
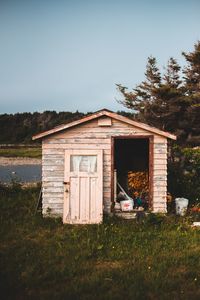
[20, 127]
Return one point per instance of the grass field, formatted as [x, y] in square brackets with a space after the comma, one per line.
[21, 152]
[44, 259]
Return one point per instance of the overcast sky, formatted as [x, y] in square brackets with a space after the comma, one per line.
[68, 55]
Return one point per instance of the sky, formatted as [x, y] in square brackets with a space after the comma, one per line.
[69, 55]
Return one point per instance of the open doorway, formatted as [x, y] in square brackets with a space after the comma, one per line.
[132, 161]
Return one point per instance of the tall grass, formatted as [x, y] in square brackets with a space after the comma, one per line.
[21, 152]
[119, 259]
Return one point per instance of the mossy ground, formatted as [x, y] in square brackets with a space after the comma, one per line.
[119, 259]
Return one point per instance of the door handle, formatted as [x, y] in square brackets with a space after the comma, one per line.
[66, 182]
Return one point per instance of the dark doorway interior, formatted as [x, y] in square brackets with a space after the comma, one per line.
[131, 164]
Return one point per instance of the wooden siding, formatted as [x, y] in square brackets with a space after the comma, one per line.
[160, 174]
[91, 136]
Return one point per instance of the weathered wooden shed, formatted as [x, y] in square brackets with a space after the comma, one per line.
[80, 160]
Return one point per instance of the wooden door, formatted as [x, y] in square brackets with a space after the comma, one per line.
[83, 187]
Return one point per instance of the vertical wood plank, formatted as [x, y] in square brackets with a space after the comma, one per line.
[74, 198]
[93, 198]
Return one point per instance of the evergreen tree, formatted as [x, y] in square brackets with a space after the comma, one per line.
[169, 102]
[142, 97]
[192, 70]
[155, 99]
[192, 92]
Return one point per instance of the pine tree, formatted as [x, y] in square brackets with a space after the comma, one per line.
[169, 102]
[192, 70]
[192, 88]
[142, 98]
[155, 98]
[172, 100]
[172, 76]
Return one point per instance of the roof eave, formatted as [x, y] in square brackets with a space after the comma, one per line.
[109, 114]
[68, 125]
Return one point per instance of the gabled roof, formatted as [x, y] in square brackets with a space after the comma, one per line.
[104, 112]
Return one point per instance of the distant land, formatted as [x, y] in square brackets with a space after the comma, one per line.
[20, 127]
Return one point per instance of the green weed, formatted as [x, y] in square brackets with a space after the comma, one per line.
[21, 152]
[42, 258]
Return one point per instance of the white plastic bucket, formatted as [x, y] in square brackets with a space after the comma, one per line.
[126, 205]
[181, 206]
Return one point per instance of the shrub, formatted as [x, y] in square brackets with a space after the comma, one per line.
[184, 173]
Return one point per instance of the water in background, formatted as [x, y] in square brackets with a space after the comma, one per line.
[23, 173]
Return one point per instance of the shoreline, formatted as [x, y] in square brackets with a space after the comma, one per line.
[14, 161]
